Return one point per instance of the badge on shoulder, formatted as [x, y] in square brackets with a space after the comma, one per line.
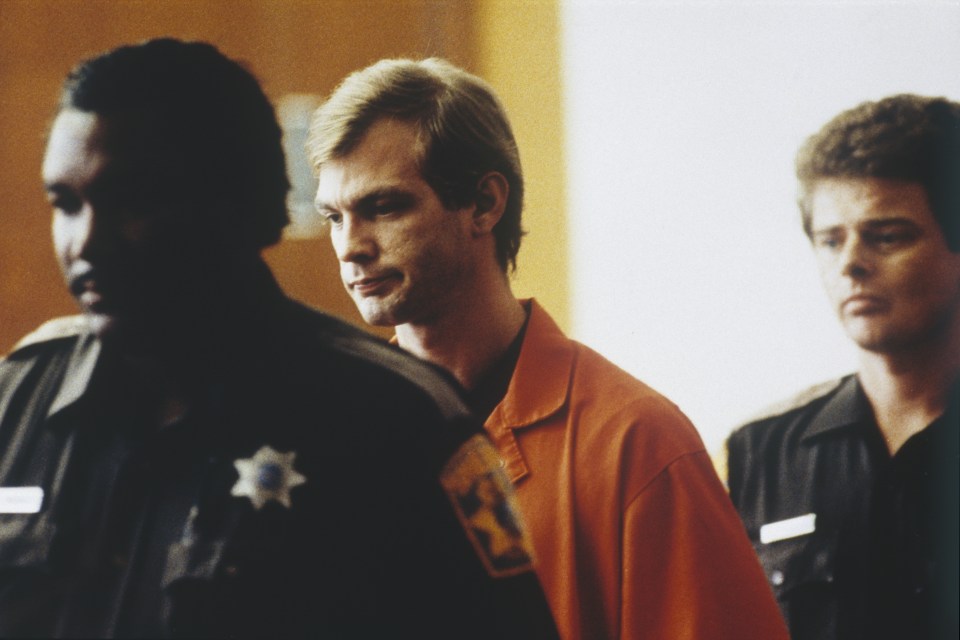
[487, 507]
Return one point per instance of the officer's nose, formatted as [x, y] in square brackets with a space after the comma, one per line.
[855, 258]
[95, 233]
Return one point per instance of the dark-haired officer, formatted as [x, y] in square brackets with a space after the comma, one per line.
[198, 455]
[850, 491]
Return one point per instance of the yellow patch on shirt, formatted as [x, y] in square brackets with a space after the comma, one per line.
[487, 507]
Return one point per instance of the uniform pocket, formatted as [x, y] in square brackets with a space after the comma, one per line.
[802, 573]
[196, 587]
[193, 560]
[30, 588]
[203, 585]
[25, 541]
[798, 562]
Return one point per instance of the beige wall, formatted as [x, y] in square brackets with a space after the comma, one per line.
[518, 52]
[293, 47]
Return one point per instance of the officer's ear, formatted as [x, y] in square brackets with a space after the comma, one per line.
[491, 201]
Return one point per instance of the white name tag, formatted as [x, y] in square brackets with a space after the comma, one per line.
[790, 528]
[20, 499]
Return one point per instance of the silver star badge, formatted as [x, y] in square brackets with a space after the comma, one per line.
[267, 476]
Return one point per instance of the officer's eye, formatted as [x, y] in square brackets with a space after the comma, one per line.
[891, 237]
[827, 241]
[64, 202]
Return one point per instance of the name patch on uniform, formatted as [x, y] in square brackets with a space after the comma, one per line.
[790, 528]
[486, 506]
[20, 499]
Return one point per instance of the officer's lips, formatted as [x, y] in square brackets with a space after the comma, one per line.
[864, 304]
[88, 289]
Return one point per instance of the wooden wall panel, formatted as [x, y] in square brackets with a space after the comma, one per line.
[292, 46]
[518, 52]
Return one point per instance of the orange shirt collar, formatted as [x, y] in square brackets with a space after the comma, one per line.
[541, 381]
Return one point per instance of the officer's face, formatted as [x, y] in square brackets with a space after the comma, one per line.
[403, 255]
[125, 255]
[885, 263]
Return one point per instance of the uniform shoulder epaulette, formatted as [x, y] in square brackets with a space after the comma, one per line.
[55, 329]
[797, 400]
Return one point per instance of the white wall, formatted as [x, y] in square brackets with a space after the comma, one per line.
[689, 268]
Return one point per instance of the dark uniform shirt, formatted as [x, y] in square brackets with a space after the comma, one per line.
[855, 543]
[322, 485]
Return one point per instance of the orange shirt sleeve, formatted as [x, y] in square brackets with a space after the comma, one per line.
[689, 571]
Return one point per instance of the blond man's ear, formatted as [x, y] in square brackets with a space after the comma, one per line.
[491, 202]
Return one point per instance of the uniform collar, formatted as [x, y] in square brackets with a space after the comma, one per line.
[847, 407]
[256, 321]
[78, 374]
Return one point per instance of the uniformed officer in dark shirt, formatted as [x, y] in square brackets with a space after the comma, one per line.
[850, 491]
[198, 455]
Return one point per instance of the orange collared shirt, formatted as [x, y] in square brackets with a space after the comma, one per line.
[634, 534]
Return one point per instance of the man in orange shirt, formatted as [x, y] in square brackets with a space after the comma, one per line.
[635, 537]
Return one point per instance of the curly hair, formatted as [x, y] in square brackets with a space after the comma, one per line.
[216, 134]
[903, 137]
